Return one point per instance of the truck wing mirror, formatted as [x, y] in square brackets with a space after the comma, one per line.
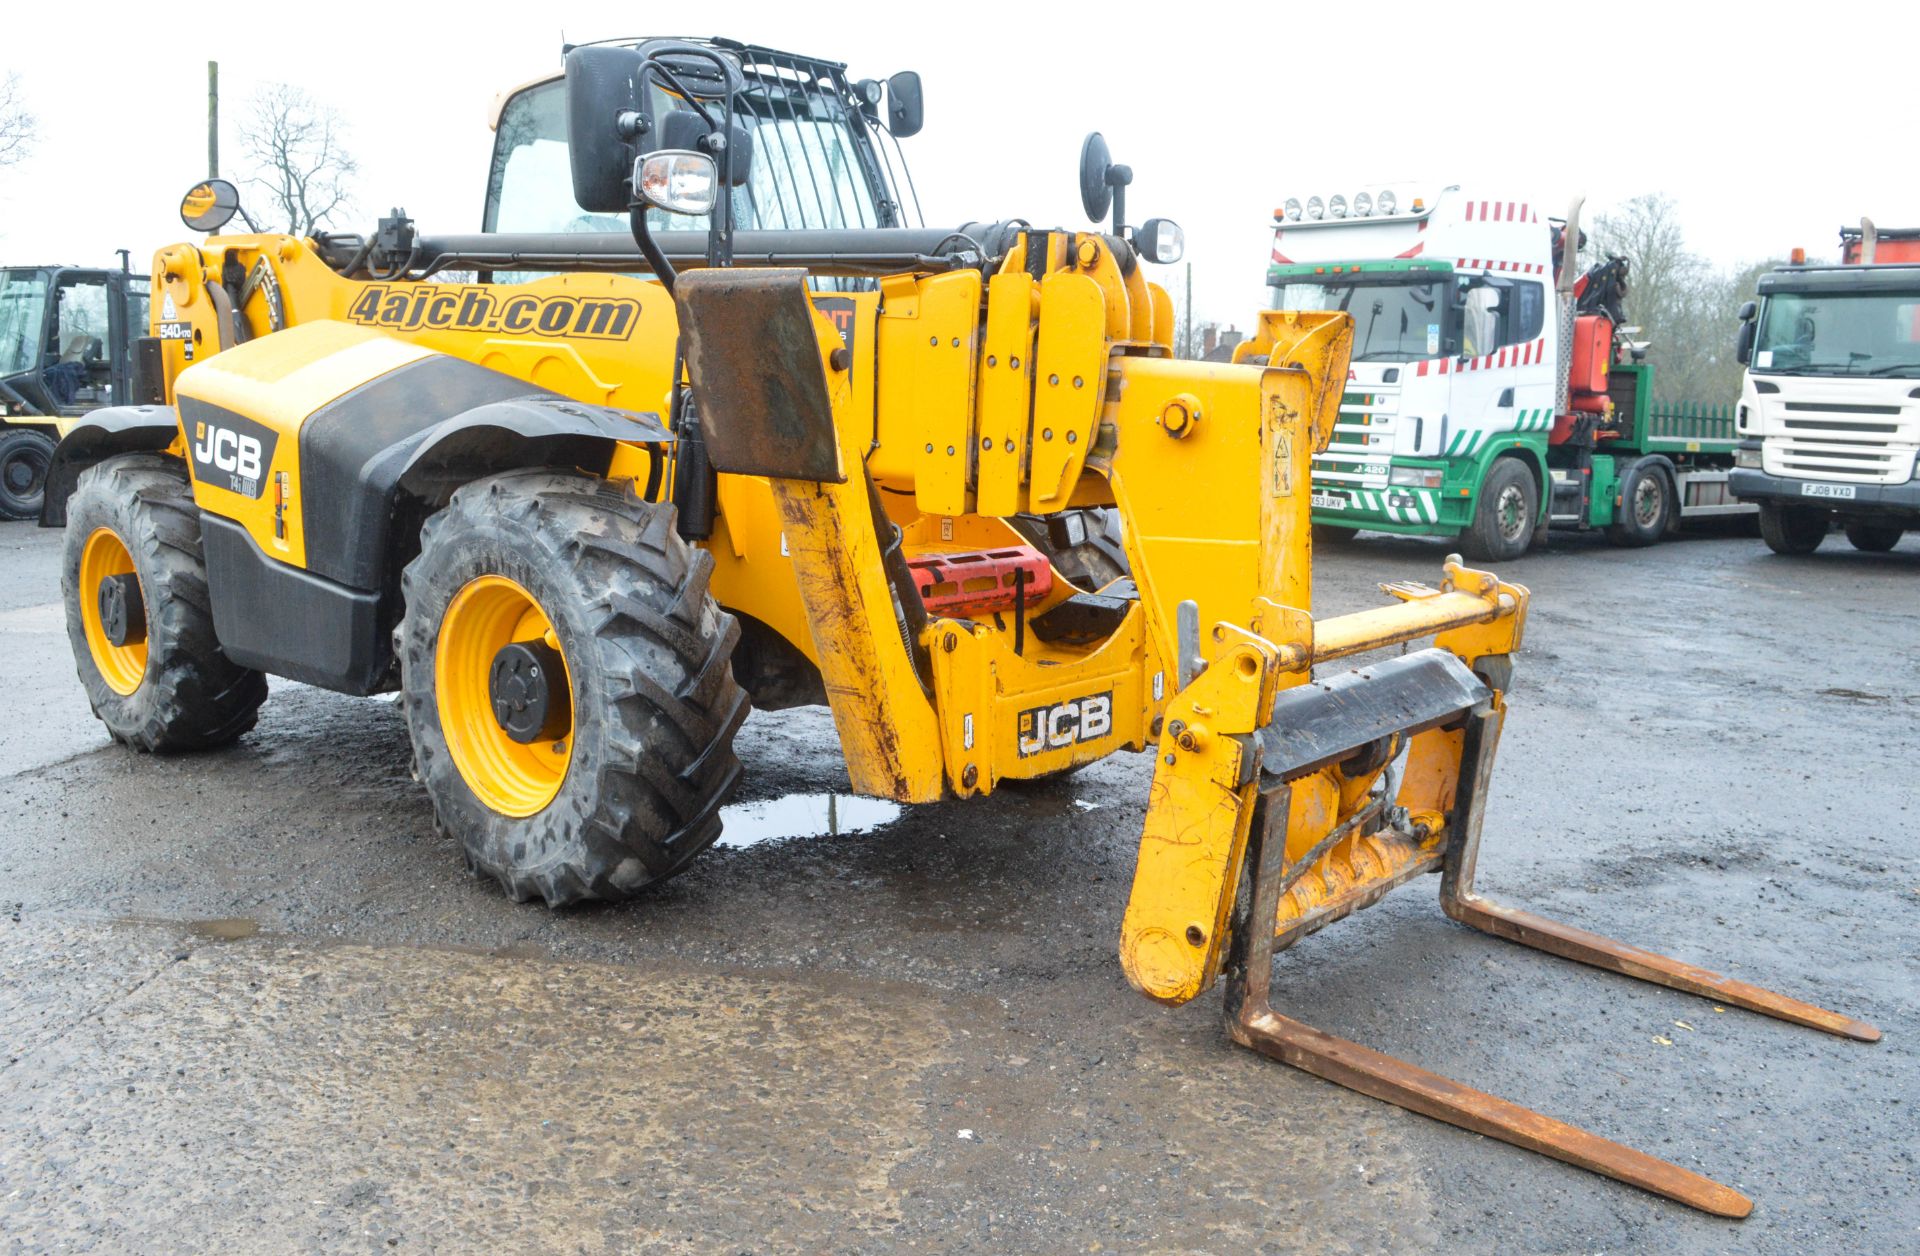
[610, 120]
[1743, 341]
[906, 106]
[1747, 310]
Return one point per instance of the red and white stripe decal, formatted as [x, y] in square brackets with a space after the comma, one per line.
[1414, 251]
[1487, 263]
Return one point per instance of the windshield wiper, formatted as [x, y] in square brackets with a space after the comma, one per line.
[1390, 354]
[1892, 368]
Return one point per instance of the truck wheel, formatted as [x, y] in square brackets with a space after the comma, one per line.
[25, 455]
[1646, 506]
[1793, 529]
[1874, 538]
[568, 686]
[1503, 521]
[138, 614]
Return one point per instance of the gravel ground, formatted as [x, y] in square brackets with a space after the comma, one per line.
[250, 1001]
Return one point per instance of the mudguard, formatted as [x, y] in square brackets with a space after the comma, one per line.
[97, 437]
[315, 453]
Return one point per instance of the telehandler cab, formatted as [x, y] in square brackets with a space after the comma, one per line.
[579, 512]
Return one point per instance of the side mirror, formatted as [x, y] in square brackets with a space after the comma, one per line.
[210, 206]
[1102, 184]
[610, 119]
[684, 129]
[906, 106]
[1743, 342]
[604, 125]
[1747, 310]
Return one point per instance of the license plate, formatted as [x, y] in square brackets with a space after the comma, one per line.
[1327, 501]
[1844, 491]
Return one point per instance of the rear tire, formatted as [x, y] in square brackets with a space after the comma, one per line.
[1793, 529]
[1874, 538]
[1646, 507]
[647, 755]
[1504, 519]
[25, 455]
[175, 690]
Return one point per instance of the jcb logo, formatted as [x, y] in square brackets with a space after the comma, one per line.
[1064, 724]
[228, 451]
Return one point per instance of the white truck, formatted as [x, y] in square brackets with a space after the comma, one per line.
[1494, 392]
[1829, 411]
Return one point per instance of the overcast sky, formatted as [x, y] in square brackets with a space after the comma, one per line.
[1770, 125]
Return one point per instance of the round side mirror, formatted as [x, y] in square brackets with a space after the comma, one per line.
[1096, 194]
[210, 206]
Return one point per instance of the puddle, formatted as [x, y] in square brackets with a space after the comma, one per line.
[803, 815]
[226, 929]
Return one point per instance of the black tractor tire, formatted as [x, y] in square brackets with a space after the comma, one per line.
[1505, 516]
[1091, 563]
[649, 657]
[190, 696]
[25, 455]
[1646, 506]
[1870, 537]
[1793, 529]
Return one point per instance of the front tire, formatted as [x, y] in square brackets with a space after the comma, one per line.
[1646, 507]
[25, 455]
[1793, 529]
[1504, 519]
[620, 783]
[138, 614]
[1874, 538]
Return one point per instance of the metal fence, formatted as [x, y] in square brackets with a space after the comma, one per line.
[1690, 421]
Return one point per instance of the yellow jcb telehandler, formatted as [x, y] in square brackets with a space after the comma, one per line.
[580, 512]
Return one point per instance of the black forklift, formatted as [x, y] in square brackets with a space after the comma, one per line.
[66, 338]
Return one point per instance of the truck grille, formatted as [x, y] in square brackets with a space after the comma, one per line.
[1362, 444]
[1856, 443]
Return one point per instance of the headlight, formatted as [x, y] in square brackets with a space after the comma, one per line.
[1337, 206]
[1292, 209]
[676, 180]
[1159, 240]
[1362, 204]
[1416, 477]
[1385, 203]
[1747, 457]
[1315, 210]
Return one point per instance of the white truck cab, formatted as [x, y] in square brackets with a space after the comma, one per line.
[1829, 410]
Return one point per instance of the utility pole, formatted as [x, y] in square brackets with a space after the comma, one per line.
[213, 119]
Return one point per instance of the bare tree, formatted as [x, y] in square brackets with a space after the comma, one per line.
[1686, 308]
[17, 123]
[295, 145]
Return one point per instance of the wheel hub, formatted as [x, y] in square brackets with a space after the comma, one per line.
[20, 475]
[1511, 512]
[123, 615]
[526, 704]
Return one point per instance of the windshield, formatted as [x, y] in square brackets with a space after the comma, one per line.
[1839, 333]
[23, 300]
[1395, 320]
[817, 163]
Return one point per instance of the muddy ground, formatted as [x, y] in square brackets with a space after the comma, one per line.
[250, 1001]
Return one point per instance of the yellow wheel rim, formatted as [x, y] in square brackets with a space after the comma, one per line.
[121, 666]
[512, 778]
